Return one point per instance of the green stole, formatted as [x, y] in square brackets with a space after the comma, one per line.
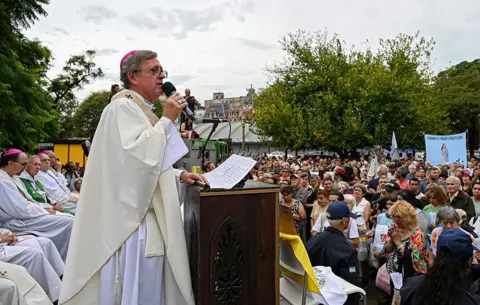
[38, 197]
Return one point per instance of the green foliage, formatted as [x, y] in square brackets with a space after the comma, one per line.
[158, 108]
[79, 71]
[340, 99]
[89, 112]
[26, 115]
[458, 91]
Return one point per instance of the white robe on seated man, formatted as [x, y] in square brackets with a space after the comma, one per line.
[24, 218]
[17, 287]
[130, 205]
[57, 190]
[42, 244]
[24, 192]
[37, 266]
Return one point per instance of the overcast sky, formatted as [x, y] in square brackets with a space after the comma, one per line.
[213, 45]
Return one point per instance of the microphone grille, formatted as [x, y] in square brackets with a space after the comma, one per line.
[168, 88]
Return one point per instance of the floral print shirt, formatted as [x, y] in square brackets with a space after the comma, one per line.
[416, 246]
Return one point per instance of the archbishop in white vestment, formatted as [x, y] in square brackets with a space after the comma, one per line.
[128, 244]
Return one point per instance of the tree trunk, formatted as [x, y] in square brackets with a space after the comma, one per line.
[473, 140]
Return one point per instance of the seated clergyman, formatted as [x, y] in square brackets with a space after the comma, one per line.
[19, 215]
[36, 190]
[55, 187]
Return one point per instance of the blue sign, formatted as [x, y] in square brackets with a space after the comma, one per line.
[447, 149]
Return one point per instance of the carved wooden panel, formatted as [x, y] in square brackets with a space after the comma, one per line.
[193, 255]
[229, 260]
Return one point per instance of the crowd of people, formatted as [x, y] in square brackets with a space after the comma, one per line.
[409, 217]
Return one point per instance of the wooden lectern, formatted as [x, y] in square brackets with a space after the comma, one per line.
[232, 240]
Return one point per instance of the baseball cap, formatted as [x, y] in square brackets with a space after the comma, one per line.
[338, 210]
[455, 243]
[392, 186]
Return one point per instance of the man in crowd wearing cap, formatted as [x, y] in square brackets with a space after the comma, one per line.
[331, 248]
[129, 211]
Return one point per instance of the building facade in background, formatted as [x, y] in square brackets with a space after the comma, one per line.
[230, 108]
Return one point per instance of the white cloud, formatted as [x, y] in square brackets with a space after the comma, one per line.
[212, 45]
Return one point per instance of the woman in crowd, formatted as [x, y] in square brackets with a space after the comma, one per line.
[448, 219]
[437, 198]
[467, 185]
[297, 208]
[362, 208]
[77, 186]
[444, 284]
[423, 217]
[71, 175]
[405, 246]
[421, 174]
[209, 166]
[342, 186]
[319, 206]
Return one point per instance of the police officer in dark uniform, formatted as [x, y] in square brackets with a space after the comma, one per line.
[332, 249]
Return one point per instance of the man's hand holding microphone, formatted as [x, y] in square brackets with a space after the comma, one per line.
[172, 107]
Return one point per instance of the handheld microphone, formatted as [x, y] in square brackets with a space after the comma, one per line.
[201, 185]
[169, 89]
[214, 120]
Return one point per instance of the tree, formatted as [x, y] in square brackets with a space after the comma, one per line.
[89, 112]
[350, 98]
[79, 71]
[26, 115]
[458, 91]
[282, 122]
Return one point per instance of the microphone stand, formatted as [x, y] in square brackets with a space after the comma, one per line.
[201, 153]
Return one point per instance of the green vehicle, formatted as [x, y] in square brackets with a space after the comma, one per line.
[215, 151]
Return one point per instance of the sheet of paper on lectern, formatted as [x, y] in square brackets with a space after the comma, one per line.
[230, 172]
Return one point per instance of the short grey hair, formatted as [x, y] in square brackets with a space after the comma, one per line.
[412, 166]
[335, 222]
[382, 166]
[448, 213]
[132, 64]
[32, 157]
[455, 178]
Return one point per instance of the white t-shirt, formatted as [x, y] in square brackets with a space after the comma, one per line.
[352, 227]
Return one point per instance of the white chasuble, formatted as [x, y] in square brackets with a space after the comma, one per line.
[128, 202]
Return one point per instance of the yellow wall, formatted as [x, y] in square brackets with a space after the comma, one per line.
[61, 150]
[70, 152]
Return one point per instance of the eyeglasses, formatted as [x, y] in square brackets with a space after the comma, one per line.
[22, 164]
[156, 71]
[45, 160]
